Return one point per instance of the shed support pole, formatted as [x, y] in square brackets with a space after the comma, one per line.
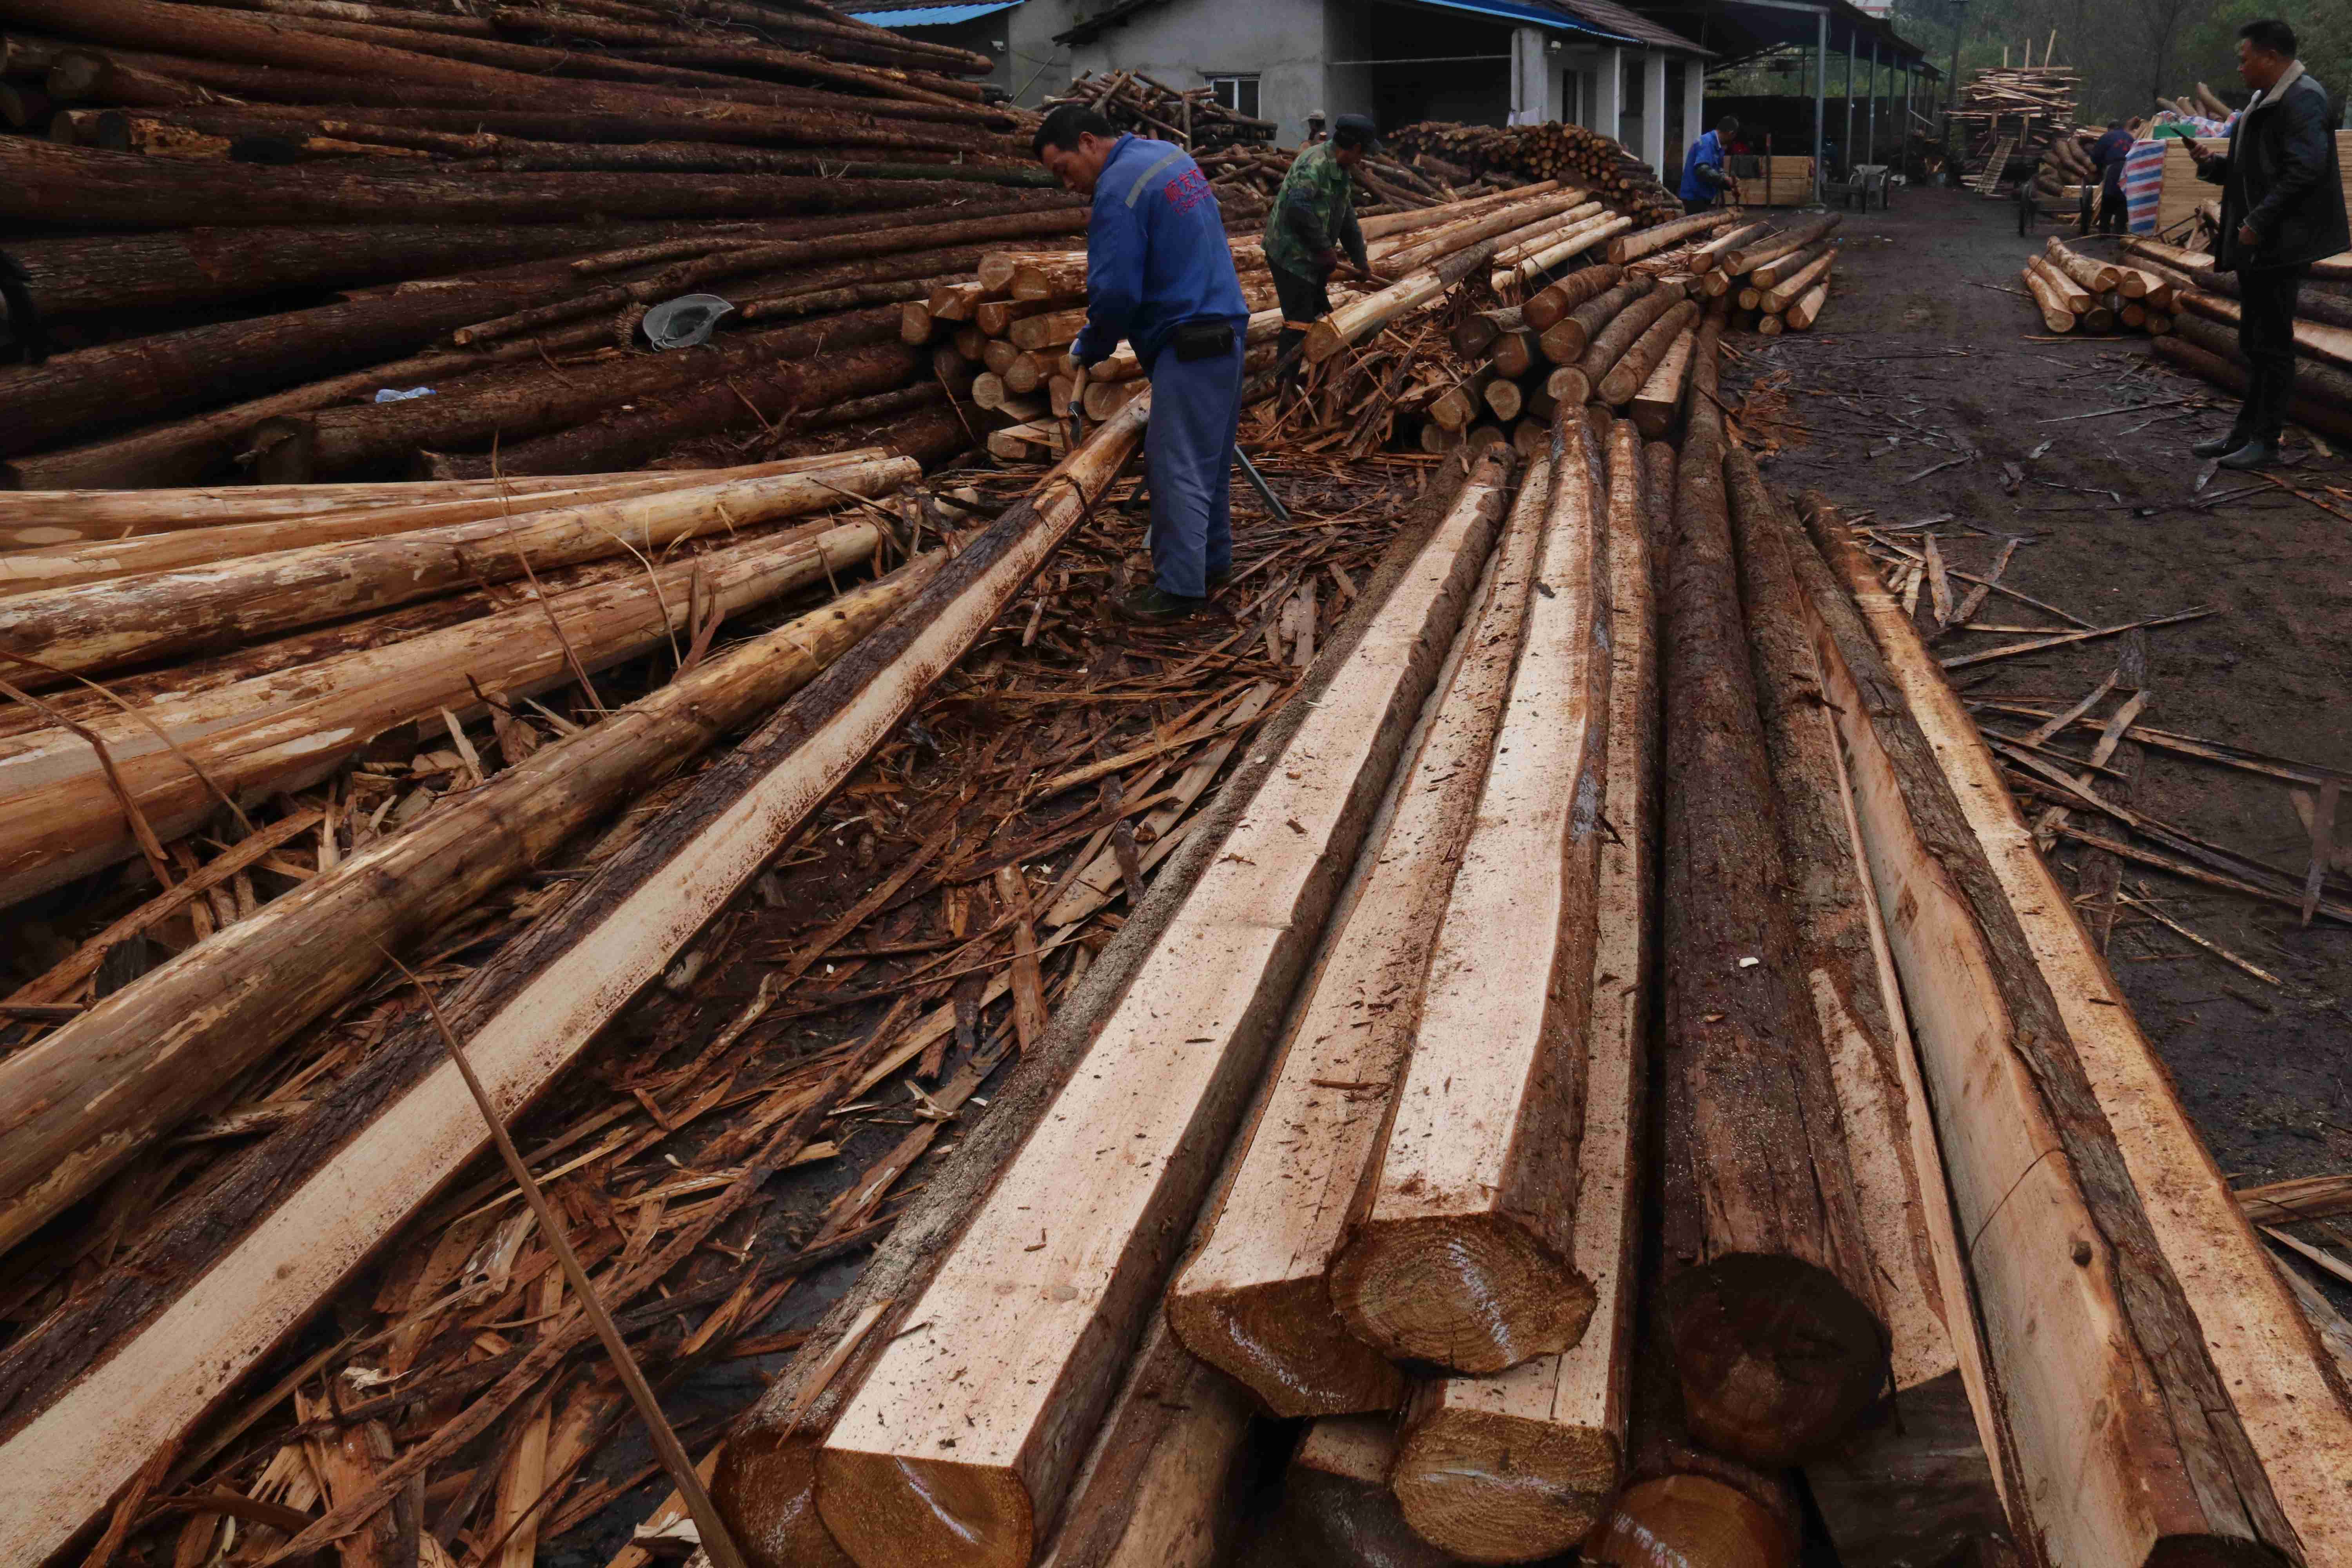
[1654, 112]
[1609, 106]
[1694, 100]
[1874, 102]
[1852, 44]
[1820, 92]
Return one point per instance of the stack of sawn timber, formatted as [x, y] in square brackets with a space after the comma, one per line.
[2075, 291]
[2204, 336]
[1778, 279]
[2017, 111]
[1429, 1084]
[253, 217]
[1190, 117]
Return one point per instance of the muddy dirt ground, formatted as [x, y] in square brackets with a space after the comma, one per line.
[1926, 354]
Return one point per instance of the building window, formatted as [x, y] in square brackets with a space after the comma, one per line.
[1238, 93]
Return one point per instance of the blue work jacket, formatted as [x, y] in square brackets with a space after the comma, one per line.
[1707, 149]
[1157, 255]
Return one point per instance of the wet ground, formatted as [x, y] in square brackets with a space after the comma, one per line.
[1927, 354]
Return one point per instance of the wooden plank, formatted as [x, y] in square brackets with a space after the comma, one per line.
[2243, 1378]
[1255, 1300]
[1461, 1255]
[85, 1409]
[1337, 1509]
[2127, 1448]
[961, 1443]
[1520, 1464]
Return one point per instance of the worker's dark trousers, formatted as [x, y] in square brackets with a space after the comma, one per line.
[1693, 206]
[2114, 212]
[1188, 459]
[2266, 337]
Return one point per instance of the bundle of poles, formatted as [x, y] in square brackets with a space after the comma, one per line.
[2075, 292]
[1776, 278]
[254, 218]
[2203, 338]
[1449, 1039]
[2014, 114]
[1190, 117]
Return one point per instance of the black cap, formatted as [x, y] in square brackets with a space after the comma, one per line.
[1356, 130]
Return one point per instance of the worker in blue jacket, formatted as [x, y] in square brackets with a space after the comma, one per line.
[1705, 167]
[1159, 274]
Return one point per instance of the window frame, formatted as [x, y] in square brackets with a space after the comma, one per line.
[1255, 80]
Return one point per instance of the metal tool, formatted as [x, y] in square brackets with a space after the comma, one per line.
[1257, 483]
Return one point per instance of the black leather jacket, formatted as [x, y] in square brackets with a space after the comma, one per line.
[2281, 178]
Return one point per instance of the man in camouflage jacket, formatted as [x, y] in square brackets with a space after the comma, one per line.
[1314, 219]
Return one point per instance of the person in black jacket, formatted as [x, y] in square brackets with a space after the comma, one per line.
[2282, 209]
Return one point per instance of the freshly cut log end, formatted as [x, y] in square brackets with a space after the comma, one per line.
[1490, 1487]
[1775, 1357]
[1337, 1509]
[1687, 1521]
[770, 1480]
[920, 1513]
[1286, 1343]
[1472, 1293]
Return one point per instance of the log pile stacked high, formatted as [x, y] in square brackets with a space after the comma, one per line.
[256, 218]
[2017, 111]
[1775, 279]
[1553, 150]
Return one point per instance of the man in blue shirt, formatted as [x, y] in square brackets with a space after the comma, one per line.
[1159, 274]
[1704, 172]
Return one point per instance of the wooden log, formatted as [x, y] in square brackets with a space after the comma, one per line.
[1771, 248]
[1670, 1521]
[1514, 246]
[1336, 1508]
[2097, 277]
[1558, 298]
[1773, 273]
[1514, 355]
[1518, 1465]
[1641, 359]
[1033, 335]
[90, 389]
[1707, 256]
[1504, 398]
[1768, 1302]
[1806, 309]
[1796, 285]
[1574, 240]
[1914, 1476]
[1660, 399]
[1461, 1255]
[1660, 237]
[2123, 1387]
[1255, 1300]
[1610, 343]
[57, 567]
[886, 1488]
[1479, 330]
[2076, 299]
[2323, 395]
[2057, 316]
[1500, 225]
[1462, 404]
[1565, 340]
[1369, 313]
[104, 625]
[623, 435]
[2313, 340]
[88, 1399]
[277, 731]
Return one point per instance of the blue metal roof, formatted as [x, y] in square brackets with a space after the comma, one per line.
[1539, 15]
[932, 15]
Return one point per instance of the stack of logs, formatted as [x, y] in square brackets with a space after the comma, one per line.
[1777, 279]
[1551, 151]
[251, 225]
[2024, 107]
[2204, 336]
[1382, 184]
[2075, 292]
[1190, 117]
[2064, 172]
[1396, 1182]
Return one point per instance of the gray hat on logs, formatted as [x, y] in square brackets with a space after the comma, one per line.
[683, 322]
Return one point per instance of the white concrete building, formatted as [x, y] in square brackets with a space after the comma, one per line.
[1593, 62]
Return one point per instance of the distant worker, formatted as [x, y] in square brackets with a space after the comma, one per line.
[2282, 209]
[2107, 156]
[1314, 132]
[1159, 274]
[1705, 167]
[1314, 219]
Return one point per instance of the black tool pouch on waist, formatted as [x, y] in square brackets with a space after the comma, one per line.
[1202, 340]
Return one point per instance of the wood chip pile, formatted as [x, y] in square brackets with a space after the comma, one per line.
[1554, 151]
[256, 220]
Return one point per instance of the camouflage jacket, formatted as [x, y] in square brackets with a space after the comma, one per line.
[1315, 211]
